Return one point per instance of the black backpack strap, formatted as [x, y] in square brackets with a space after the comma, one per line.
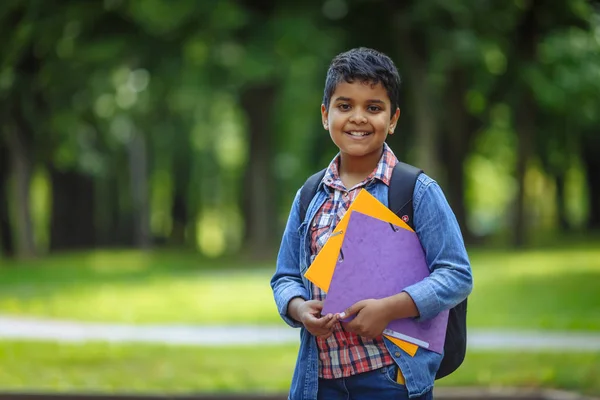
[308, 191]
[402, 187]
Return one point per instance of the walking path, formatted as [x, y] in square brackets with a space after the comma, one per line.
[214, 335]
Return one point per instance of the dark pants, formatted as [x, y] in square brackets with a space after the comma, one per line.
[379, 384]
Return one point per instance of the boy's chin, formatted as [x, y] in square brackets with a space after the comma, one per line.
[359, 152]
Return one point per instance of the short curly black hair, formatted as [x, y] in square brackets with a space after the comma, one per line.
[365, 65]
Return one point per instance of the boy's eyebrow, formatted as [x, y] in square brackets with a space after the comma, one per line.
[342, 98]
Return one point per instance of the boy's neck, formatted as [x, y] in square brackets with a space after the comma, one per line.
[354, 170]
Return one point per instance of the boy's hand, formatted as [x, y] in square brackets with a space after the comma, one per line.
[371, 318]
[310, 316]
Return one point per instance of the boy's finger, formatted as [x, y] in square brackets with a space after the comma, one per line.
[353, 309]
[329, 326]
[311, 319]
[324, 320]
[317, 322]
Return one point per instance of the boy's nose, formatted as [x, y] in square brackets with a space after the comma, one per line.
[358, 117]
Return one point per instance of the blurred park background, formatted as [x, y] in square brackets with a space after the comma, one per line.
[150, 150]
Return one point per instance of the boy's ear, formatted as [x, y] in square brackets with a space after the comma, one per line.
[394, 121]
[325, 117]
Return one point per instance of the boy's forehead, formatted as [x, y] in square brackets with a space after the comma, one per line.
[359, 90]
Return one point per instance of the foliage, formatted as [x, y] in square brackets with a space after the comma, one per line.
[142, 105]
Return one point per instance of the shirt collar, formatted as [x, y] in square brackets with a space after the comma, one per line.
[382, 172]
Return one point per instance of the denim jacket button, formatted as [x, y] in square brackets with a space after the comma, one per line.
[397, 354]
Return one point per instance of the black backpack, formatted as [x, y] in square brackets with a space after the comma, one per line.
[400, 198]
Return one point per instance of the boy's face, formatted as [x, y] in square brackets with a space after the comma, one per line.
[359, 118]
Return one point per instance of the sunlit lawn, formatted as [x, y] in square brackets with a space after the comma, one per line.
[39, 366]
[133, 287]
[556, 288]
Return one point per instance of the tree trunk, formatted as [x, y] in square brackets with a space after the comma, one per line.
[6, 236]
[124, 234]
[422, 103]
[114, 210]
[525, 118]
[561, 207]
[459, 130]
[23, 112]
[591, 163]
[182, 211]
[594, 198]
[180, 217]
[20, 161]
[138, 168]
[525, 127]
[105, 211]
[72, 222]
[426, 129]
[260, 212]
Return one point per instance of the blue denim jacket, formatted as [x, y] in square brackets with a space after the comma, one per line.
[450, 281]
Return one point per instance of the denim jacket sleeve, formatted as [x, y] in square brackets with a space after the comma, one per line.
[450, 281]
[287, 281]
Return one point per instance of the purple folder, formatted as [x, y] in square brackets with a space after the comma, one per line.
[377, 260]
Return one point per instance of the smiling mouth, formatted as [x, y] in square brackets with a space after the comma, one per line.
[358, 134]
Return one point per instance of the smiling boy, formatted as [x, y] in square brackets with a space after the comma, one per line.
[353, 360]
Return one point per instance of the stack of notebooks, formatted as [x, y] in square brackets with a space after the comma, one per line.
[373, 254]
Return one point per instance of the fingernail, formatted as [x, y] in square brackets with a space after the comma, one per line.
[342, 314]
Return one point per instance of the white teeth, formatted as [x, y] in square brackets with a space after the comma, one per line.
[358, 133]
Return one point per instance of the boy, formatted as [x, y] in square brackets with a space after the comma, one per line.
[353, 360]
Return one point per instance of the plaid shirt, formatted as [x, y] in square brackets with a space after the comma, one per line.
[344, 353]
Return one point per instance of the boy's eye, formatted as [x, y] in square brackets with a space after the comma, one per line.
[344, 107]
[374, 108]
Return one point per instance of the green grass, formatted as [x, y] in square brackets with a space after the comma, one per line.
[137, 287]
[46, 366]
[553, 288]
[41, 366]
[576, 372]
[541, 289]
